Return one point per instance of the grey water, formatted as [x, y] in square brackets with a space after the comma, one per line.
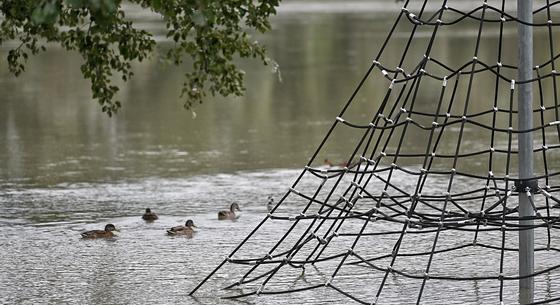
[65, 167]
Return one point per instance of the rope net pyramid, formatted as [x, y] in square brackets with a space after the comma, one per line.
[425, 208]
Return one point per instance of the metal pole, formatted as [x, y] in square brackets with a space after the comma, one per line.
[525, 146]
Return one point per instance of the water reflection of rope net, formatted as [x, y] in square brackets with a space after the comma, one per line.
[398, 221]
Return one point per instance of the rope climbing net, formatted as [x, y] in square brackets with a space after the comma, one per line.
[426, 208]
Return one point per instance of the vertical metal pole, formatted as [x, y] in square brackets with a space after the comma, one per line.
[525, 146]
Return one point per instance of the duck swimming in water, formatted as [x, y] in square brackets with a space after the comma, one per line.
[187, 229]
[270, 204]
[107, 233]
[223, 215]
[149, 215]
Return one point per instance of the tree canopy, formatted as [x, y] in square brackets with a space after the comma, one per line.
[210, 32]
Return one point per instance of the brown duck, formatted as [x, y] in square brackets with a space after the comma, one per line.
[149, 215]
[107, 233]
[187, 229]
[223, 215]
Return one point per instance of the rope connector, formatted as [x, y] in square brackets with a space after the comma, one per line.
[371, 125]
[502, 19]
[293, 190]
[491, 174]
[384, 72]
[549, 22]
[341, 120]
[543, 108]
[492, 149]
[433, 154]
[544, 147]
[495, 109]
[444, 81]
[500, 64]
[403, 110]
[392, 84]
[435, 124]
[439, 21]
[512, 84]
[475, 59]
[409, 119]
[448, 115]
[464, 118]
[422, 71]
[554, 123]
[375, 63]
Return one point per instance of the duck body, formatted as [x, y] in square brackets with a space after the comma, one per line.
[224, 215]
[186, 230]
[107, 233]
[149, 215]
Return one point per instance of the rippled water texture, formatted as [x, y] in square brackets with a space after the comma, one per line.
[66, 168]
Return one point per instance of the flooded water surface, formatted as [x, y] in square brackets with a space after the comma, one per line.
[66, 168]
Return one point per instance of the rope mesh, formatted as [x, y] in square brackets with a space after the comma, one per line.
[432, 177]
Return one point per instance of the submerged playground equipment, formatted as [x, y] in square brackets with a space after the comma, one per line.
[450, 194]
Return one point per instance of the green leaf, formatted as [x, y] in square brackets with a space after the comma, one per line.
[46, 13]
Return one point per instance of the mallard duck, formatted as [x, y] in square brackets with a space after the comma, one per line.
[108, 232]
[149, 215]
[187, 229]
[223, 215]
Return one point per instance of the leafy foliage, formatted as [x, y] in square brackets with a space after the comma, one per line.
[210, 32]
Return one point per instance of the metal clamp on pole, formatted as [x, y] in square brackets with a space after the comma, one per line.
[522, 184]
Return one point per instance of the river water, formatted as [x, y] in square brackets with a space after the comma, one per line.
[65, 167]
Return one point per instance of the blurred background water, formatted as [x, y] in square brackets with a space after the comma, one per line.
[65, 167]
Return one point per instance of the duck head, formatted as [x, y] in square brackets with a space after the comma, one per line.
[234, 207]
[190, 224]
[110, 227]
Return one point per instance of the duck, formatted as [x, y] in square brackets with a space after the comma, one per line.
[107, 233]
[223, 215]
[149, 215]
[270, 204]
[187, 229]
